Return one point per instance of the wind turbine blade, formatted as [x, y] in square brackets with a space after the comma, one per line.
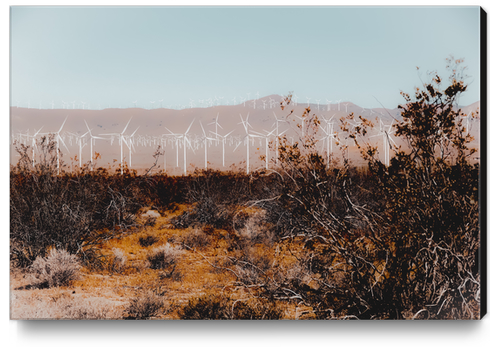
[202, 128]
[169, 131]
[257, 133]
[126, 125]
[63, 124]
[135, 131]
[38, 130]
[189, 128]
[229, 133]
[63, 142]
[190, 145]
[87, 127]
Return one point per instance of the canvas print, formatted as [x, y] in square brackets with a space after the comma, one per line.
[245, 163]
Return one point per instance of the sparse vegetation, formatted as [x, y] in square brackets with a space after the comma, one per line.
[144, 306]
[309, 240]
[59, 268]
[147, 241]
[164, 256]
[221, 307]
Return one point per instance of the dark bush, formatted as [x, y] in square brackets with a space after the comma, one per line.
[59, 268]
[164, 256]
[146, 241]
[221, 307]
[399, 241]
[72, 211]
[144, 306]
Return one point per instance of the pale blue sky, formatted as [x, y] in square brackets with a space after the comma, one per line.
[116, 55]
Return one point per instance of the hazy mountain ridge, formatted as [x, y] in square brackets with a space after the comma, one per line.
[154, 123]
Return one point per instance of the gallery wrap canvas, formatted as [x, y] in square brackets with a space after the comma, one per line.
[247, 163]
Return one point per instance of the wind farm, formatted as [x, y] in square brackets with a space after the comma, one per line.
[246, 163]
[138, 140]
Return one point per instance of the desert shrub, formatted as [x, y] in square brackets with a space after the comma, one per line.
[74, 211]
[64, 306]
[88, 310]
[150, 221]
[117, 263]
[164, 257]
[398, 241]
[256, 229]
[59, 268]
[214, 196]
[144, 306]
[146, 241]
[256, 309]
[221, 307]
[196, 238]
[209, 306]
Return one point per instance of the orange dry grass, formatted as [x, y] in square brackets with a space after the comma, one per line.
[195, 273]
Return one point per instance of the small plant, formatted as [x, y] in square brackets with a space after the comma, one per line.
[118, 261]
[196, 238]
[144, 306]
[59, 268]
[164, 257]
[255, 229]
[146, 241]
[207, 307]
[256, 309]
[221, 307]
[150, 221]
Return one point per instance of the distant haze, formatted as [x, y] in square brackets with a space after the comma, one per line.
[152, 128]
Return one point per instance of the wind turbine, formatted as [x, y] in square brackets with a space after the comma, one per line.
[246, 126]
[176, 140]
[386, 131]
[121, 140]
[92, 143]
[186, 140]
[58, 139]
[130, 145]
[223, 141]
[216, 124]
[206, 138]
[34, 145]
[318, 104]
[328, 104]
[80, 146]
[329, 136]
[276, 129]
[338, 104]
[467, 127]
[302, 125]
[266, 136]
